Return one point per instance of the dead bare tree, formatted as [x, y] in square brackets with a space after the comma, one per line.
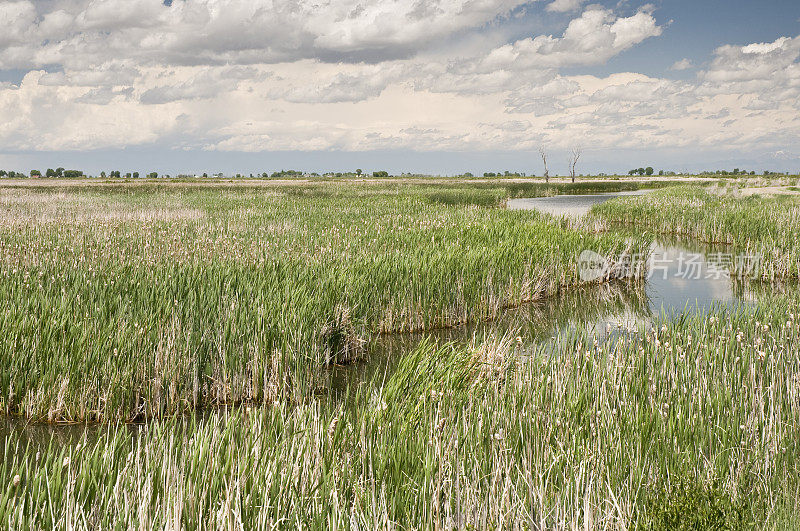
[575, 155]
[543, 153]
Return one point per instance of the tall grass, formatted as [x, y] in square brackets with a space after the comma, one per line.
[132, 303]
[695, 421]
[768, 227]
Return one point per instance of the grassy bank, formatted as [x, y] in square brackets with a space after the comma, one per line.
[694, 424]
[767, 227]
[131, 303]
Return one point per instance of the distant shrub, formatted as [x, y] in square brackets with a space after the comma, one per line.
[286, 174]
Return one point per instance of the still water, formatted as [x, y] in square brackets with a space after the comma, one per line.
[567, 205]
[684, 275]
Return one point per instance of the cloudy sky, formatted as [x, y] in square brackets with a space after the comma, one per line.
[440, 86]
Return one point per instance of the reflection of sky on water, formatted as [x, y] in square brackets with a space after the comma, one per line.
[605, 310]
[567, 205]
[669, 292]
[674, 291]
[668, 288]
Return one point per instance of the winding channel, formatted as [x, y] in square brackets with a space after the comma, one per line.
[602, 310]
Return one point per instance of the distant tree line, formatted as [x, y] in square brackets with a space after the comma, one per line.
[650, 171]
[58, 173]
[736, 171]
[290, 174]
[504, 174]
[283, 174]
[642, 171]
[11, 174]
[61, 172]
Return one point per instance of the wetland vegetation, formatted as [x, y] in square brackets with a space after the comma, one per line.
[130, 304]
[767, 227]
[215, 316]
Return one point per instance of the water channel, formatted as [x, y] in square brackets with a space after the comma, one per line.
[685, 277]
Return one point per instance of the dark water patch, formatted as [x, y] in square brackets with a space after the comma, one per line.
[532, 322]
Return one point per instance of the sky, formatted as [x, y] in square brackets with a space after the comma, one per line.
[422, 86]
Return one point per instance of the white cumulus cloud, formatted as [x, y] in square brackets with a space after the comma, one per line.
[593, 38]
[564, 6]
[683, 64]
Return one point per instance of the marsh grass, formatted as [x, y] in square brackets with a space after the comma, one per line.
[137, 302]
[694, 421]
[688, 503]
[120, 309]
[766, 227]
[603, 309]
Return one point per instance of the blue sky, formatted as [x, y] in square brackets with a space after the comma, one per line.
[697, 28]
[432, 86]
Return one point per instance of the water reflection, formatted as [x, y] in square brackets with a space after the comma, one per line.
[36, 437]
[684, 277]
[596, 306]
[567, 205]
[603, 310]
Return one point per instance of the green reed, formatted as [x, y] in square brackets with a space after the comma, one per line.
[652, 426]
[133, 302]
[764, 227]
